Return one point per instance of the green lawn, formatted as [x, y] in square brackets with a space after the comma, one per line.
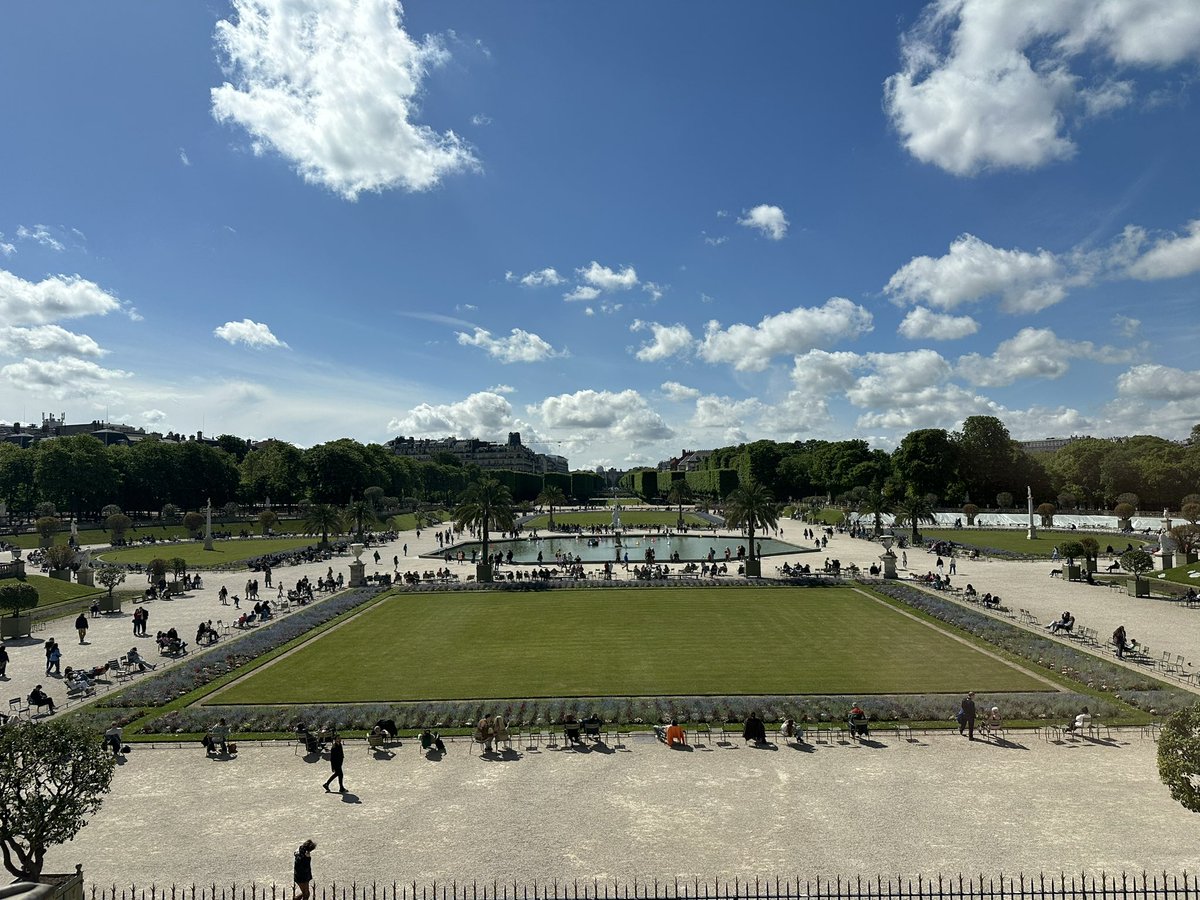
[1179, 574]
[222, 553]
[51, 590]
[1015, 541]
[670, 641]
[629, 517]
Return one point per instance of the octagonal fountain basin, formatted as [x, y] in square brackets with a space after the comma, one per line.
[602, 548]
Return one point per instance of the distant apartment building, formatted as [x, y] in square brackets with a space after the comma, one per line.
[686, 461]
[1048, 445]
[56, 426]
[512, 455]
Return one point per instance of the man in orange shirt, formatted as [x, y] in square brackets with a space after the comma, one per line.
[672, 734]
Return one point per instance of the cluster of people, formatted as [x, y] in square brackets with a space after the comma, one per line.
[206, 634]
[1123, 643]
[170, 643]
[1065, 622]
[490, 731]
[428, 575]
[790, 570]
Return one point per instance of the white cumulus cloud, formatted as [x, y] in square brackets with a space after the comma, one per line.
[1032, 353]
[923, 324]
[667, 340]
[539, 277]
[1155, 382]
[678, 393]
[624, 414]
[582, 292]
[56, 297]
[154, 417]
[973, 269]
[519, 346]
[750, 348]
[607, 279]
[248, 333]
[989, 84]
[485, 415]
[769, 220]
[333, 87]
[46, 339]
[1173, 256]
[61, 377]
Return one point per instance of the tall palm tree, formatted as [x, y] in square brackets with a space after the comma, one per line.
[751, 506]
[912, 511]
[551, 496]
[877, 504]
[485, 504]
[678, 495]
[323, 519]
[361, 514]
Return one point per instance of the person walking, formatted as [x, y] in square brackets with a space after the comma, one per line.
[53, 657]
[81, 625]
[3, 662]
[336, 756]
[302, 870]
[968, 716]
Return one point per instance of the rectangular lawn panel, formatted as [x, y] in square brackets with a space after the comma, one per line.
[223, 551]
[663, 641]
[630, 518]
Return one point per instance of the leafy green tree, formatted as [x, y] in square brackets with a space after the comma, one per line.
[1071, 551]
[110, 577]
[912, 511]
[110, 509]
[273, 469]
[267, 519]
[751, 506]
[1179, 757]
[1139, 562]
[230, 511]
[53, 776]
[233, 445]
[1047, 511]
[18, 595]
[47, 527]
[170, 513]
[178, 567]
[118, 524]
[1191, 512]
[193, 522]
[1004, 500]
[46, 509]
[375, 495]
[1091, 548]
[17, 487]
[927, 460]
[1124, 512]
[60, 557]
[551, 496]
[74, 472]
[679, 494]
[1187, 538]
[987, 455]
[157, 569]
[336, 471]
[970, 510]
[485, 505]
[323, 519]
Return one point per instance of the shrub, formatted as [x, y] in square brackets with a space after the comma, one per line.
[193, 522]
[17, 595]
[60, 557]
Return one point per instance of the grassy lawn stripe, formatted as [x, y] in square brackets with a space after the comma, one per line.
[629, 517]
[662, 642]
[223, 552]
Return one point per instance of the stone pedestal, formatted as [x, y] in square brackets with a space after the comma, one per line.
[110, 604]
[60, 574]
[16, 626]
[889, 564]
[357, 574]
[208, 542]
[86, 577]
[1166, 560]
[754, 568]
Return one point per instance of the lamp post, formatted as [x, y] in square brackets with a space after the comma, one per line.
[208, 525]
[1031, 533]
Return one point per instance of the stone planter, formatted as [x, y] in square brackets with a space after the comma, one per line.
[1125, 524]
[1091, 565]
[1192, 558]
[754, 568]
[1139, 587]
[483, 572]
[1072, 572]
[15, 627]
[61, 574]
[110, 604]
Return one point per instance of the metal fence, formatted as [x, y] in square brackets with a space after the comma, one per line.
[1144, 886]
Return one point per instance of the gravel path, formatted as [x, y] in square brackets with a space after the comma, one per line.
[941, 805]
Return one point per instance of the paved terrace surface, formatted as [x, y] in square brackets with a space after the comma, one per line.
[1161, 624]
[942, 805]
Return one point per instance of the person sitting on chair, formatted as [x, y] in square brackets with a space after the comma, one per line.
[672, 735]
[39, 698]
[1066, 623]
[857, 721]
[572, 730]
[591, 726]
[499, 731]
[789, 731]
[1081, 721]
[755, 729]
[484, 733]
[431, 739]
[135, 659]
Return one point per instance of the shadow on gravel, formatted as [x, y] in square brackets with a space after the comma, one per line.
[348, 797]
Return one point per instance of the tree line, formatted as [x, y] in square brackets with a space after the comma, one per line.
[80, 476]
[979, 464]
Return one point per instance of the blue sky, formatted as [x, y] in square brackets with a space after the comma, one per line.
[621, 229]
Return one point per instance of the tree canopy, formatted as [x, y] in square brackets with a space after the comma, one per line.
[53, 775]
